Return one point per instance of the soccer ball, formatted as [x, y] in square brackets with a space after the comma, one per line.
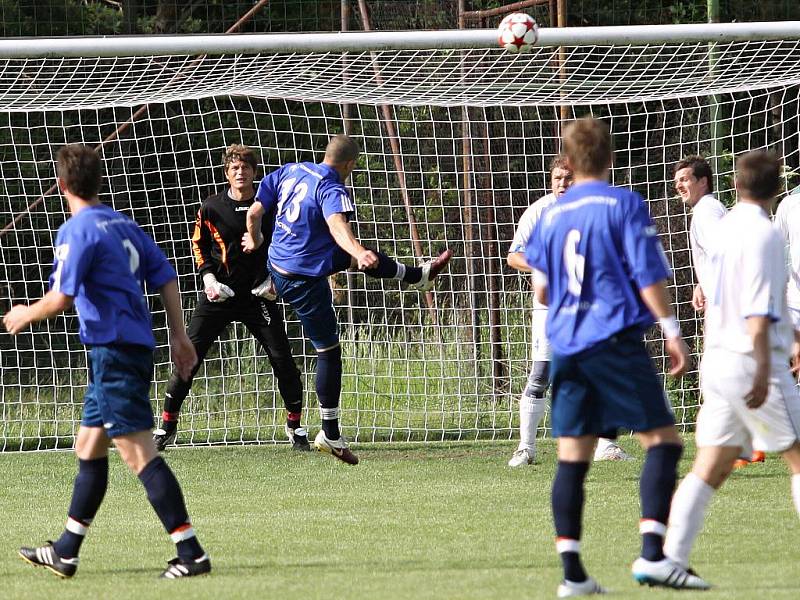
[517, 32]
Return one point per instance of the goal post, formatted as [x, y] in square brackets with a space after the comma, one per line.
[474, 129]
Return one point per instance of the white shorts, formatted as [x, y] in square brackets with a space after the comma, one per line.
[541, 347]
[724, 419]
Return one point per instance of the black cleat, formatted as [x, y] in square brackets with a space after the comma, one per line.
[165, 436]
[299, 439]
[45, 556]
[191, 568]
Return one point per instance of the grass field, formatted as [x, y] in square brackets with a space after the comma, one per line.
[411, 522]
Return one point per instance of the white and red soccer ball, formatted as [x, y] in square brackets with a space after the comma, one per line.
[517, 32]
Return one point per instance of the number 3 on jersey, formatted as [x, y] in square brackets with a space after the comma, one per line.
[297, 193]
[573, 262]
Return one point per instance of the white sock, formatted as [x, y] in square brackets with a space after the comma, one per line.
[686, 517]
[531, 411]
[796, 492]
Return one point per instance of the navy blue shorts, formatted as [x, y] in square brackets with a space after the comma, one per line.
[312, 300]
[118, 395]
[611, 386]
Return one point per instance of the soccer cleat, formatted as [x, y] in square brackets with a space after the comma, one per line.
[45, 556]
[522, 457]
[740, 463]
[165, 436]
[570, 589]
[187, 568]
[758, 456]
[667, 573]
[338, 448]
[299, 439]
[431, 270]
[612, 452]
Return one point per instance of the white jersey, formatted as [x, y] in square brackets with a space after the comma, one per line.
[527, 223]
[747, 275]
[705, 221]
[787, 220]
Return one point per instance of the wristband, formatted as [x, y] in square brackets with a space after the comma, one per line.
[669, 327]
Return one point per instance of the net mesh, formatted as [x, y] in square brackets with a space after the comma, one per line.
[475, 132]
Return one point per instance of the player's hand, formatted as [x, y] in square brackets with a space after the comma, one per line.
[266, 289]
[367, 260]
[17, 320]
[698, 299]
[795, 359]
[218, 292]
[758, 393]
[183, 354]
[251, 245]
[678, 356]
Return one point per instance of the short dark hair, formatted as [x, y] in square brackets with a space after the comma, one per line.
[758, 175]
[341, 149]
[588, 146]
[81, 170]
[559, 162]
[240, 152]
[700, 168]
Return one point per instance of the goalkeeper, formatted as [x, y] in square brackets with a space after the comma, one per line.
[236, 289]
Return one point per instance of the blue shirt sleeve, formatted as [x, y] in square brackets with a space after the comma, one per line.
[73, 259]
[643, 251]
[267, 192]
[335, 199]
[156, 270]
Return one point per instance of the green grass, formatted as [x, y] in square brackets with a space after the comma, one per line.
[410, 522]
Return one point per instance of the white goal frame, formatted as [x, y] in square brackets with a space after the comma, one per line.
[457, 135]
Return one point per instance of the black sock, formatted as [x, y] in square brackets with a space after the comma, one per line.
[164, 494]
[656, 485]
[567, 501]
[329, 388]
[87, 495]
[293, 420]
[388, 268]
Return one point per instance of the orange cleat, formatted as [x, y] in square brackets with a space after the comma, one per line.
[740, 463]
[758, 456]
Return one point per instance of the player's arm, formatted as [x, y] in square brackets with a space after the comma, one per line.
[253, 238]
[698, 298]
[21, 316]
[758, 329]
[540, 287]
[202, 242]
[181, 348]
[650, 271]
[343, 235]
[516, 260]
[266, 200]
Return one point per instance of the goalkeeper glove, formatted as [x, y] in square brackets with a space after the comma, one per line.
[216, 291]
[266, 289]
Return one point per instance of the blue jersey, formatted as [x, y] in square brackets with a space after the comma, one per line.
[597, 246]
[303, 196]
[103, 259]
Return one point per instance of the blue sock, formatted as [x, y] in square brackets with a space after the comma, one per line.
[567, 501]
[656, 485]
[329, 388]
[164, 494]
[388, 268]
[87, 495]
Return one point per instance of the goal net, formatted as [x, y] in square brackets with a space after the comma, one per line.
[457, 136]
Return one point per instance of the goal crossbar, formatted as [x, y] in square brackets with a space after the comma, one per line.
[310, 43]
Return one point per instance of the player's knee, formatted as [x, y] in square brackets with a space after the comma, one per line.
[538, 381]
